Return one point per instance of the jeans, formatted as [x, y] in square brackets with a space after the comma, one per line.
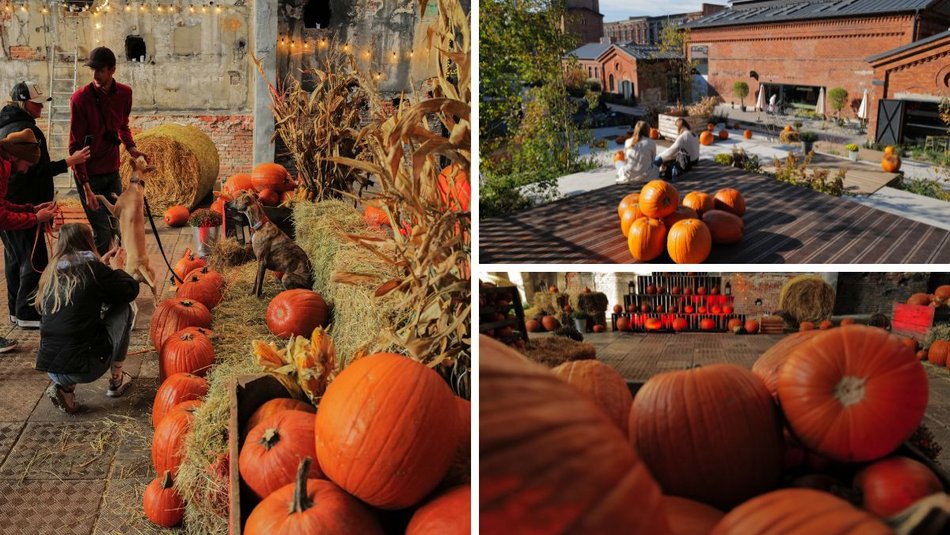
[673, 169]
[22, 267]
[102, 222]
[118, 322]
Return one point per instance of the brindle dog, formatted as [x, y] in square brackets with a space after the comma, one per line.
[274, 249]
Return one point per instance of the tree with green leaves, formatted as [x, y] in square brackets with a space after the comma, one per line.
[838, 97]
[674, 40]
[741, 90]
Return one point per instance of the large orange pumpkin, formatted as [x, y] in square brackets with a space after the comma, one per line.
[269, 175]
[942, 292]
[919, 299]
[550, 323]
[602, 384]
[273, 450]
[769, 363]
[203, 285]
[689, 242]
[891, 485]
[237, 183]
[176, 216]
[296, 312]
[724, 227]
[699, 201]
[653, 324]
[939, 352]
[528, 421]
[273, 406]
[706, 324]
[730, 200]
[366, 444]
[449, 514]
[698, 461]
[162, 504]
[658, 199]
[751, 326]
[646, 239]
[680, 324]
[168, 442]
[681, 213]
[629, 200]
[688, 517]
[628, 216]
[799, 512]
[186, 264]
[837, 391]
[177, 388]
[457, 192]
[891, 163]
[173, 315]
[623, 323]
[186, 352]
[706, 138]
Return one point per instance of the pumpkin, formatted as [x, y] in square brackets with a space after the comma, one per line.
[747, 134]
[185, 352]
[919, 299]
[528, 421]
[375, 216]
[274, 448]
[724, 227]
[888, 150]
[825, 325]
[162, 504]
[679, 324]
[799, 512]
[837, 390]
[618, 156]
[653, 324]
[891, 485]
[733, 323]
[715, 309]
[296, 312]
[675, 290]
[729, 200]
[654, 133]
[806, 326]
[645, 308]
[602, 385]
[618, 309]
[689, 242]
[681, 213]
[723, 135]
[922, 355]
[186, 264]
[727, 309]
[752, 326]
[598, 328]
[767, 366]
[627, 218]
[310, 506]
[454, 187]
[698, 460]
[699, 201]
[623, 324]
[788, 128]
[202, 285]
[168, 442]
[710, 127]
[939, 352]
[219, 200]
[237, 183]
[846, 321]
[942, 292]
[706, 138]
[269, 175]
[268, 197]
[891, 163]
[362, 417]
[273, 406]
[177, 388]
[701, 309]
[646, 239]
[701, 290]
[627, 201]
[707, 324]
[550, 323]
[177, 215]
[651, 289]
[660, 309]
[910, 342]
[687, 291]
[552, 289]
[658, 199]
[173, 315]
[532, 325]
[688, 517]
[448, 514]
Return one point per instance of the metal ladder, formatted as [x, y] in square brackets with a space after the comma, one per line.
[63, 80]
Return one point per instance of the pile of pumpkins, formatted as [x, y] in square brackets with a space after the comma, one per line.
[708, 136]
[500, 311]
[653, 220]
[806, 442]
[891, 162]
[940, 298]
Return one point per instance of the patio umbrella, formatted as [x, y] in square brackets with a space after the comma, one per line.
[820, 107]
[863, 110]
[760, 102]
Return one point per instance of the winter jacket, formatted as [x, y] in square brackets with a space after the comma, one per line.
[638, 161]
[35, 186]
[76, 334]
[13, 216]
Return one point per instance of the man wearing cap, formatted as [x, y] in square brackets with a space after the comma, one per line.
[25, 255]
[100, 115]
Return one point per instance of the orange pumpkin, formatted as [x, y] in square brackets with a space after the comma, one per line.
[888, 150]
[751, 326]
[699, 201]
[456, 191]
[186, 352]
[891, 163]
[628, 216]
[646, 239]
[679, 324]
[653, 324]
[375, 216]
[186, 264]
[733, 323]
[623, 323]
[296, 312]
[723, 135]
[177, 388]
[943, 292]
[162, 504]
[939, 352]
[449, 514]
[169, 439]
[654, 133]
[891, 485]
[173, 315]
[681, 213]
[730, 200]
[689, 242]
[825, 325]
[237, 183]
[550, 323]
[919, 299]
[688, 517]
[273, 450]
[219, 200]
[273, 406]
[602, 385]
[747, 134]
[271, 176]
[724, 227]
[268, 197]
[203, 285]
[629, 200]
[788, 128]
[658, 199]
[176, 216]
[706, 138]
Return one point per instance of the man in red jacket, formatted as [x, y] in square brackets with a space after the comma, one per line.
[100, 117]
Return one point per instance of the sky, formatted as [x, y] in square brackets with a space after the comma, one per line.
[614, 10]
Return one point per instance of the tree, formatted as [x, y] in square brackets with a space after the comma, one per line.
[838, 97]
[741, 90]
[674, 40]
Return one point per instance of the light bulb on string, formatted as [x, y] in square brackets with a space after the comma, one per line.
[217, 10]
[159, 8]
[23, 8]
[143, 8]
[98, 25]
[204, 9]
[44, 11]
[128, 7]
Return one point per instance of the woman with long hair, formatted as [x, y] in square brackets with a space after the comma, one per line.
[682, 155]
[87, 316]
[638, 154]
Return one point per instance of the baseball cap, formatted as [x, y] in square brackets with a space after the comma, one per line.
[27, 91]
[22, 145]
[100, 57]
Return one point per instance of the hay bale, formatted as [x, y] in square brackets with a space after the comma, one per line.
[229, 253]
[555, 350]
[592, 303]
[937, 332]
[807, 298]
[551, 303]
[185, 162]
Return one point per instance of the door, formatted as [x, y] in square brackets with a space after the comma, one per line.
[890, 122]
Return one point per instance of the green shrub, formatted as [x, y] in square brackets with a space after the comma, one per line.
[838, 97]
[794, 171]
[924, 186]
[741, 90]
[723, 159]
[789, 137]
[808, 137]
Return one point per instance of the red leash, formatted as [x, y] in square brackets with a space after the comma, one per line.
[50, 236]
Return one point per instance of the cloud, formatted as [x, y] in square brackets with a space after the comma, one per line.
[622, 9]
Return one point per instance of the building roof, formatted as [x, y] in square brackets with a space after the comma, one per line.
[908, 47]
[590, 50]
[761, 11]
[646, 52]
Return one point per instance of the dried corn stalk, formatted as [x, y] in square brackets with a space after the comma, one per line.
[308, 365]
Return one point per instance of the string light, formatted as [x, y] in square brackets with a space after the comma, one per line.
[44, 10]
[23, 8]
[143, 8]
[160, 8]
[204, 9]
[217, 10]
[98, 25]
[128, 7]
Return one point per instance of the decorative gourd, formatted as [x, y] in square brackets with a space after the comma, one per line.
[853, 374]
[729, 200]
[688, 517]
[788, 128]
[919, 299]
[733, 323]
[701, 309]
[646, 239]
[825, 325]
[706, 138]
[801, 512]
[202, 285]
[910, 342]
[628, 201]
[273, 406]
[651, 289]
[710, 445]
[162, 504]
[237, 183]
[296, 312]
[628, 217]
[271, 176]
[176, 216]
[185, 352]
[715, 309]
[168, 442]
[891, 163]
[922, 355]
[618, 309]
[532, 325]
[710, 127]
[701, 290]
[653, 324]
[173, 315]
[689, 242]
[355, 423]
[891, 485]
[528, 420]
[939, 352]
[706, 324]
[723, 135]
[602, 385]
[177, 388]
[681, 213]
[186, 264]
[699, 201]
[654, 133]
[747, 134]
[806, 326]
[550, 323]
[725, 227]
[273, 450]
[448, 514]
[645, 308]
[598, 328]
[623, 323]
[752, 326]
[689, 309]
[658, 199]
[679, 324]
[310, 506]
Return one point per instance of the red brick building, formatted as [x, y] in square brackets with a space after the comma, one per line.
[646, 30]
[642, 72]
[584, 20]
[796, 47]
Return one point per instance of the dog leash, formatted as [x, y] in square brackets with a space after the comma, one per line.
[148, 215]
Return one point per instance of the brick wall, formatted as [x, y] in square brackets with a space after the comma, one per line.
[749, 287]
[923, 71]
[867, 293]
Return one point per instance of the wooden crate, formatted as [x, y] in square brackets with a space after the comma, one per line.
[912, 320]
[667, 124]
[771, 325]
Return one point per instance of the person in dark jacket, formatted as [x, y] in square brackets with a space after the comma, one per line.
[24, 252]
[87, 318]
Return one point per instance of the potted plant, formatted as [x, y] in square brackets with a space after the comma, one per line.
[852, 151]
[580, 320]
[808, 140]
[206, 224]
[741, 90]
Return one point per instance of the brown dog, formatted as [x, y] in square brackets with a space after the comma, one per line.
[273, 249]
[129, 210]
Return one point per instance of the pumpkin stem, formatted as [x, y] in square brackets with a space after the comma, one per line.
[850, 390]
[186, 337]
[301, 501]
[270, 439]
[167, 480]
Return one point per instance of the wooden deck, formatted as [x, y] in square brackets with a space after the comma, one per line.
[783, 224]
[860, 178]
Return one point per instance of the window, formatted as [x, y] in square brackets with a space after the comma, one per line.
[134, 47]
[611, 81]
[596, 73]
[589, 72]
[316, 14]
[617, 66]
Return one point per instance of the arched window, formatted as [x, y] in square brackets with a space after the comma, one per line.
[589, 72]
[611, 83]
[617, 66]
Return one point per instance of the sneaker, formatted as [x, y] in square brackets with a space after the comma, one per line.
[28, 324]
[7, 345]
[12, 319]
[116, 390]
[62, 400]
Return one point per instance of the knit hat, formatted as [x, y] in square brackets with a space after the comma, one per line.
[22, 145]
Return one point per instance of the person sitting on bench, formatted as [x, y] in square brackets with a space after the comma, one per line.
[682, 155]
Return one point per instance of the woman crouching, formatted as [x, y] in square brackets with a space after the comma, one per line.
[86, 318]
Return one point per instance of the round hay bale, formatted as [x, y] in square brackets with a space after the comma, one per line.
[807, 298]
[553, 351]
[592, 303]
[185, 162]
